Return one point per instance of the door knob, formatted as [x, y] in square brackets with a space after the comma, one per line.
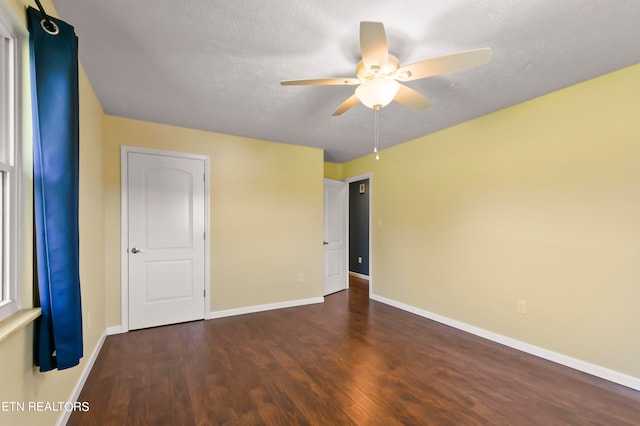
[324, 243]
[135, 250]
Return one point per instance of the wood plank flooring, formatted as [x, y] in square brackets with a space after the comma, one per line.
[349, 361]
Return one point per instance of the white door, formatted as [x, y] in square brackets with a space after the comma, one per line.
[166, 239]
[335, 236]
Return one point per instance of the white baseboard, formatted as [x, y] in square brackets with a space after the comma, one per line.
[64, 418]
[359, 275]
[576, 364]
[261, 308]
[116, 329]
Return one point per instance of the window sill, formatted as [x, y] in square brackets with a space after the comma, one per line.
[18, 320]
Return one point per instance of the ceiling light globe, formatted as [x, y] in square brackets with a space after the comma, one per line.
[377, 92]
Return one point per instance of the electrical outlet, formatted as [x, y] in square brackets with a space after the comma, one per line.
[301, 277]
[521, 306]
[359, 259]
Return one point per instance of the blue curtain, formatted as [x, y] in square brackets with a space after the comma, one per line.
[54, 95]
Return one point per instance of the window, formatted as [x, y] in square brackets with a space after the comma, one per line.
[9, 164]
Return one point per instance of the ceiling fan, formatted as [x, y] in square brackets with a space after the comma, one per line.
[378, 74]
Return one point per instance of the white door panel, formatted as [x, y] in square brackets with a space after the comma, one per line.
[178, 272]
[335, 236]
[169, 196]
[166, 239]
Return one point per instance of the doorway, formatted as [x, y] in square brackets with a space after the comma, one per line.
[359, 225]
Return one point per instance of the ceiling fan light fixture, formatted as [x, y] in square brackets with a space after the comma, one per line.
[377, 92]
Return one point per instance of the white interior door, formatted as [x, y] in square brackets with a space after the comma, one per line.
[166, 220]
[335, 236]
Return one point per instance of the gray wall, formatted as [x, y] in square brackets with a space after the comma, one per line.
[359, 227]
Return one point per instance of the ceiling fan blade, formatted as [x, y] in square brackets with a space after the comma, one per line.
[346, 105]
[322, 82]
[411, 98]
[373, 44]
[444, 64]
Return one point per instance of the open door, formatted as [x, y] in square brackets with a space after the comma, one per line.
[335, 236]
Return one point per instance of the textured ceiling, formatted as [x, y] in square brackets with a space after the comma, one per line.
[216, 65]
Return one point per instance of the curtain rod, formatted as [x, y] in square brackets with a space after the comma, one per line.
[48, 23]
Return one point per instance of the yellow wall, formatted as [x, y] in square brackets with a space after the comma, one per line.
[538, 202]
[19, 380]
[333, 171]
[266, 213]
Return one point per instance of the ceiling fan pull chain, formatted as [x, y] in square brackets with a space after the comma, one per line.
[376, 135]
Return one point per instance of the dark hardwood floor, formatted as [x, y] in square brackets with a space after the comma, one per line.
[349, 361]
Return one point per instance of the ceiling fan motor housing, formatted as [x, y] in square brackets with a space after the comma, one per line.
[364, 73]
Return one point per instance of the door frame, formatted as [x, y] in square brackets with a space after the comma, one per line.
[124, 226]
[348, 181]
